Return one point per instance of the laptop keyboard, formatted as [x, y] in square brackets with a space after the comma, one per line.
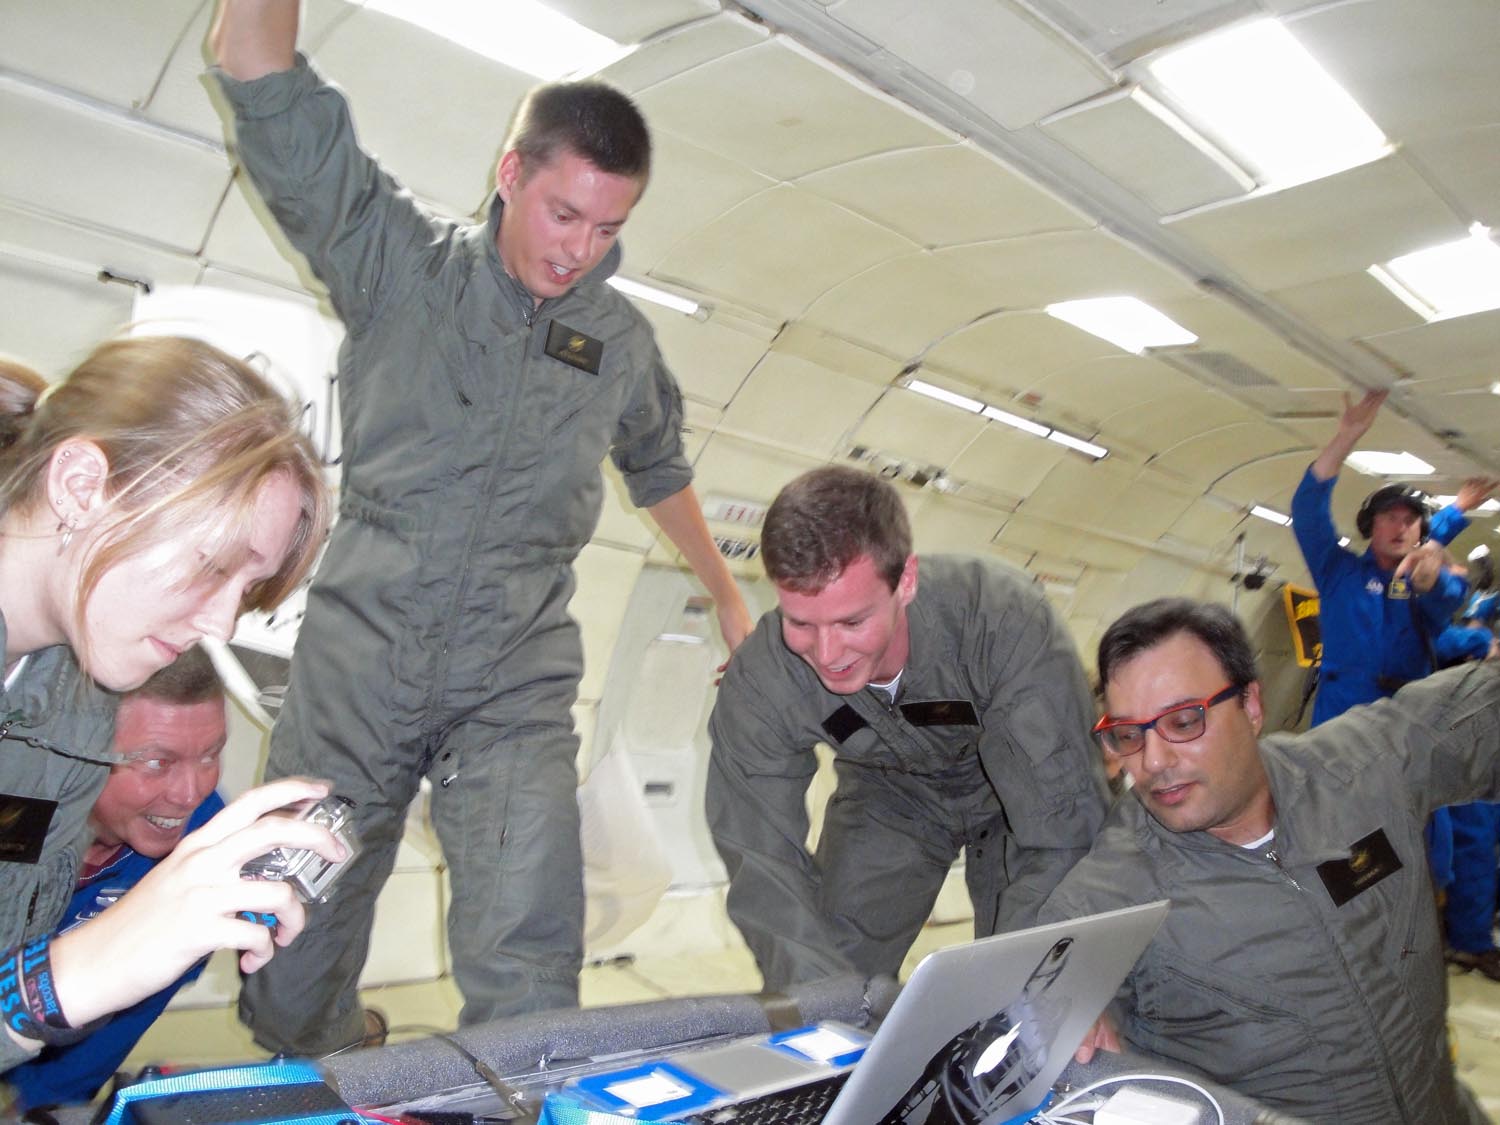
[801, 1105]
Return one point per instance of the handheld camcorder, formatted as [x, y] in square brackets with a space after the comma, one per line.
[310, 875]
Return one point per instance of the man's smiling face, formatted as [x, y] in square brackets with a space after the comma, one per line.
[172, 752]
[853, 631]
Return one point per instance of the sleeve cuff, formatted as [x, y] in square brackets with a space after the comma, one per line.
[270, 94]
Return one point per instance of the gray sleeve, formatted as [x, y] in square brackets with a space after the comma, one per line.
[1445, 730]
[359, 230]
[756, 806]
[647, 447]
[1036, 746]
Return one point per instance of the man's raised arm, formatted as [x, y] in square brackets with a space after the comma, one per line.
[1355, 422]
[253, 38]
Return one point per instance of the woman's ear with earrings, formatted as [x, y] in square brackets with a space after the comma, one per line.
[75, 485]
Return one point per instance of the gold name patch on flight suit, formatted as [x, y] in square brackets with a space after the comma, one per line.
[23, 827]
[576, 349]
[1370, 860]
[932, 713]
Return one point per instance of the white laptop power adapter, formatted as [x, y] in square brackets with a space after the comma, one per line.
[1134, 1106]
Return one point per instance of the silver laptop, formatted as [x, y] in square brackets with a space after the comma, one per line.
[977, 1037]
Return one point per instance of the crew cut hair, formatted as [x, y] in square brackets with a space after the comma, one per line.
[590, 119]
[191, 678]
[825, 519]
[1147, 626]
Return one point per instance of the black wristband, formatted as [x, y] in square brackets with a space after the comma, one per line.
[34, 962]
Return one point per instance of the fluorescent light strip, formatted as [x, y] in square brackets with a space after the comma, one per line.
[1005, 417]
[1095, 451]
[654, 295]
[1126, 322]
[523, 34]
[1262, 95]
[1378, 463]
[1271, 514]
[963, 402]
[1015, 421]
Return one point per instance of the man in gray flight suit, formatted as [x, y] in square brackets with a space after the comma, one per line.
[1300, 963]
[486, 372]
[958, 715]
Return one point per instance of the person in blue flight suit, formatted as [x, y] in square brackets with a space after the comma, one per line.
[1380, 611]
[170, 731]
[1473, 879]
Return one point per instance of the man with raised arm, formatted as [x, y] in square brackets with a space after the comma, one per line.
[958, 716]
[1380, 611]
[486, 372]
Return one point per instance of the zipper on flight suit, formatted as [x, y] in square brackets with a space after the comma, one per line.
[528, 308]
[1395, 1087]
[1272, 855]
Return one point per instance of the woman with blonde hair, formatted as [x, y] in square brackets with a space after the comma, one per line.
[148, 499]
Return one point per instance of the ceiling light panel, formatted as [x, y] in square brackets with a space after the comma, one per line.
[1452, 279]
[1127, 322]
[1265, 99]
[524, 35]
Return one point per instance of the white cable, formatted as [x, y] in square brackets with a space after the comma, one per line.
[1051, 1116]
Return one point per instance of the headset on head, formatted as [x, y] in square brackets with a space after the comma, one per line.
[1389, 496]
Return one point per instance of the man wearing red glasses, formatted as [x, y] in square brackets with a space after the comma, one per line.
[1301, 962]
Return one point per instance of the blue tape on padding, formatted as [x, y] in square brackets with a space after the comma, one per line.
[785, 1042]
[558, 1109]
[595, 1090]
[257, 1076]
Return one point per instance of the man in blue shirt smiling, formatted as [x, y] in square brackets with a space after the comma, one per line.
[171, 731]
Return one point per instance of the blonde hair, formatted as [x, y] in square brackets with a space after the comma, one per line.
[190, 435]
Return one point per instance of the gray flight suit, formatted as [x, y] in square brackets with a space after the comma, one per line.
[56, 731]
[437, 639]
[1308, 973]
[986, 747]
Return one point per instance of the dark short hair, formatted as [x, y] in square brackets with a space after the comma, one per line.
[1147, 626]
[591, 119]
[827, 518]
[191, 678]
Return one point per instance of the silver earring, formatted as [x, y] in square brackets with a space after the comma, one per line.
[67, 535]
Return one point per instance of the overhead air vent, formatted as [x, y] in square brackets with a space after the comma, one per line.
[1229, 370]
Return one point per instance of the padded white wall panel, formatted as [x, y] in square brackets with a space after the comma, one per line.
[790, 401]
[982, 199]
[804, 114]
[80, 163]
[1007, 64]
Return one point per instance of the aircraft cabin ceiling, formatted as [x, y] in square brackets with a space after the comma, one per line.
[863, 192]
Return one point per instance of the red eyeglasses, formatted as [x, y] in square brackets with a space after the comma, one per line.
[1182, 723]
